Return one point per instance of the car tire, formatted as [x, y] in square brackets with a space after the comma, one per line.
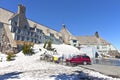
[84, 63]
[72, 64]
[90, 63]
[68, 63]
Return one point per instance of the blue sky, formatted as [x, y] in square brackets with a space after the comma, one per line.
[81, 17]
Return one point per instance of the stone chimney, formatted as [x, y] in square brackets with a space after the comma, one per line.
[22, 17]
[96, 34]
[21, 9]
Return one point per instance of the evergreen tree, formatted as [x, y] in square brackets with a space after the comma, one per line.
[45, 44]
[49, 46]
[27, 49]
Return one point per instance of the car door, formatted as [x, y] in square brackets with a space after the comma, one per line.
[80, 59]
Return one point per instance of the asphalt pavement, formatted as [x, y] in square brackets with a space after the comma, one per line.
[113, 71]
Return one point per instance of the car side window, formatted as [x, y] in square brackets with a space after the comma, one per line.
[85, 57]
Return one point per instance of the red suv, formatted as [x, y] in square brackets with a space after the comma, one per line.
[78, 59]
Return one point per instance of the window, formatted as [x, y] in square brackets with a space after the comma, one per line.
[28, 33]
[40, 37]
[27, 38]
[25, 26]
[13, 29]
[15, 23]
[18, 31]
[104, 47]
[39, 31]
[23, 38]
[32, 40]
[17, 37]
[98, 47]
[51, 35]
[60, 38]
[35, 40]
[32, 34]
[74, 41]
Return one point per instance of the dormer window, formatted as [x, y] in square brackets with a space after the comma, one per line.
[14, 23]
[60, 38]
[38, 30]
[51, 35]
[74, 41]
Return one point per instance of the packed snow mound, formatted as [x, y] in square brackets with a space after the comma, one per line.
[32, 68]
[61, 50]
[66, 50]
[2, 57]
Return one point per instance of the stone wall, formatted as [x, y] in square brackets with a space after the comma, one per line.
[1, 31]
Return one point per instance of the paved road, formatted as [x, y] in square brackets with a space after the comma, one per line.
[113, 71]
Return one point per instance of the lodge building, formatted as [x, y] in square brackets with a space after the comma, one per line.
[15, 29]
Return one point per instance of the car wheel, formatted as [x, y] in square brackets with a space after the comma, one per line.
[90, 63]
[68, 63]
[72, 64]
[84, 63]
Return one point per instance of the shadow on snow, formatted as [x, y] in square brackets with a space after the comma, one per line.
[10, 75]
[77, 75]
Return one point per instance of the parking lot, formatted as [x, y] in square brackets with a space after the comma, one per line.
[113, 71]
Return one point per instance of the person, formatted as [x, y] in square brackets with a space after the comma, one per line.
[1, 59]
[55, 52]
[96, 55]
[40, 50]
[96, 58]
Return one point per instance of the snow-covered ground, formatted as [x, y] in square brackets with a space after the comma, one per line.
[31, 68]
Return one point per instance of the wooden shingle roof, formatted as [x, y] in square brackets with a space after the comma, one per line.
[91, 40]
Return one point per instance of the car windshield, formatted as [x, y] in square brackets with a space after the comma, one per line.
[76, 56]
[85, 56]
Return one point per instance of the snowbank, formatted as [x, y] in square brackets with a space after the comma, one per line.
[31, 68]
[66, 50]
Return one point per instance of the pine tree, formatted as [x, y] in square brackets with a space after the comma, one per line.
[49, 46]
[27, 49]
[45, 44]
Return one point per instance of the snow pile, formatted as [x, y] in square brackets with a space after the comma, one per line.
[66, 50]
[61, 50]
[2, 57]
[31, 68]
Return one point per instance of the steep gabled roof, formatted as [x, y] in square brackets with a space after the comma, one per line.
[14, 15]
[65, 30]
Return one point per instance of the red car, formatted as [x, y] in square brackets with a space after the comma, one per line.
[78, 59]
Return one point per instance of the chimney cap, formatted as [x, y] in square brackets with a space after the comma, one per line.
[21, 5]
[63, 25]
[97, 34]
[21, 9]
